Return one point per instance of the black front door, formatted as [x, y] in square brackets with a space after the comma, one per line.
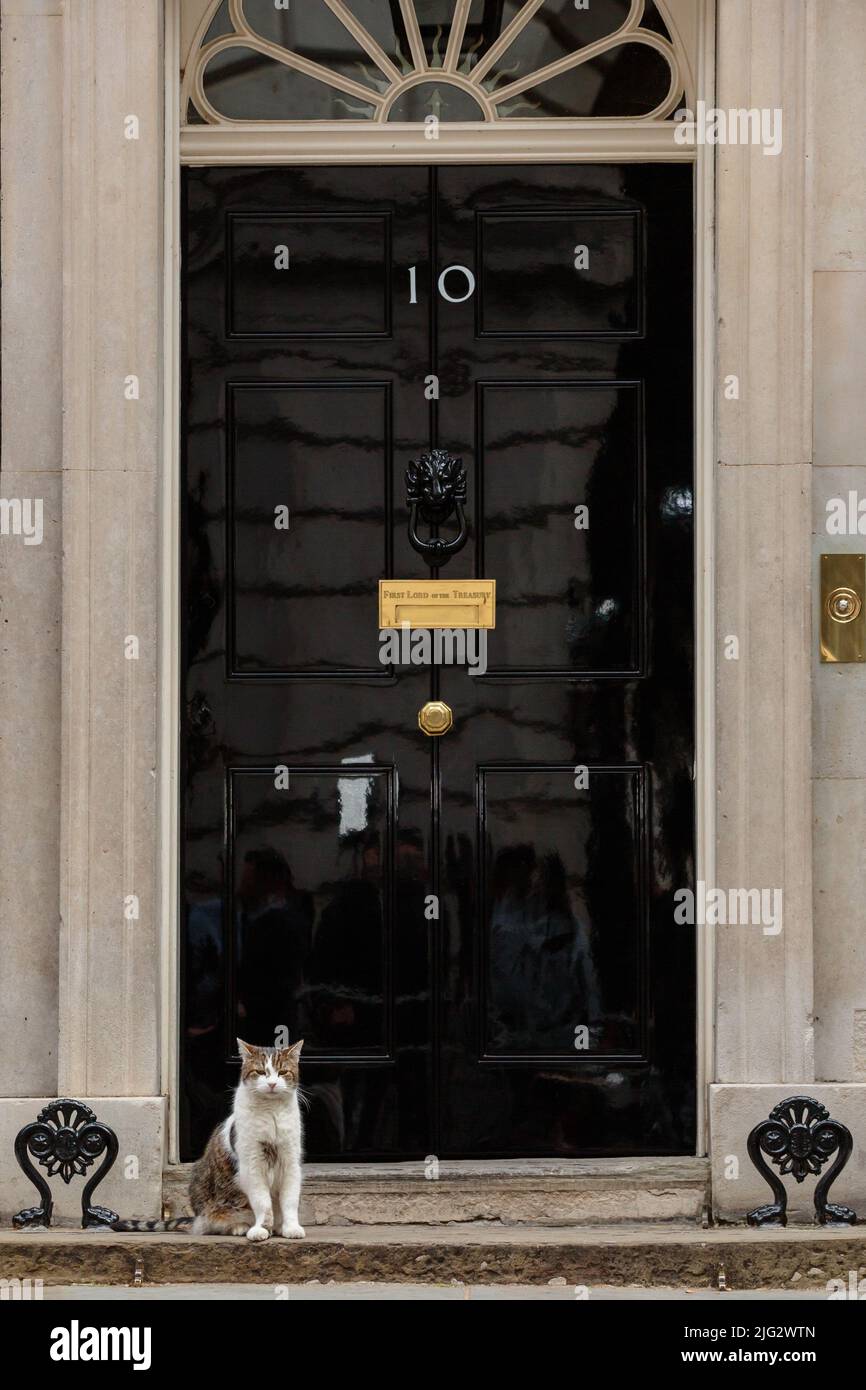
[474, 933]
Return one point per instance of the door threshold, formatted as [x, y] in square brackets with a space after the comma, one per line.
[508, 1191]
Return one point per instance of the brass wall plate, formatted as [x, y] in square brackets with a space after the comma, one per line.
[843, 616]
[448, 603]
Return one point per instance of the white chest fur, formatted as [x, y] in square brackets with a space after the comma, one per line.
[266, 1135]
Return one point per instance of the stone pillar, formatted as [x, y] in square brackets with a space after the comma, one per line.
[112, 229]
[766, 212]
[839, 696]
[30, 569]
[764, 1020]
[82, 292]
[764, 837]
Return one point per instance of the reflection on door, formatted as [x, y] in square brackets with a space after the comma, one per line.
[473, 933]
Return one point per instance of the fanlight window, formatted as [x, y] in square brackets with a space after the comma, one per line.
[410, 60]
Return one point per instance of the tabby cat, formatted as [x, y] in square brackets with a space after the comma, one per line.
[248, 1180]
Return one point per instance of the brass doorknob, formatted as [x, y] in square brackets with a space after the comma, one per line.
[435, 718]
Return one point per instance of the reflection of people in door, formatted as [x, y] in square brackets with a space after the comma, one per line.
[512, 876]
[204, 955]
[274, 931]
[204, 1069]
[543, 981]
[567, 981]
[346, 962]
[346, 1002]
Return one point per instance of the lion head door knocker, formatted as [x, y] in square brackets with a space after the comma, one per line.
[799, 1137]
[66, 1139]
[435, 490]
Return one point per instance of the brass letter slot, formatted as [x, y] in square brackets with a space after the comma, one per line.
[843, 618]
[448, 603]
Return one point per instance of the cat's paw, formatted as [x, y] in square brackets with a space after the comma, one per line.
[239, 1230]
[258, 1233]
[290, 1230]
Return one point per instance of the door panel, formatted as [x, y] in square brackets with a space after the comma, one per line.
[542, 975]
[302, 958]
[321, 450]
[545, 448]
[341, 285]
[474, 934]
[542, 296]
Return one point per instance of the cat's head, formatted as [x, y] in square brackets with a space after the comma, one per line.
[269, 1071]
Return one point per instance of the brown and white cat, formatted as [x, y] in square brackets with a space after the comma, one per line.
[248, 1180]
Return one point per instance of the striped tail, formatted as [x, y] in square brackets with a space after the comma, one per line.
[177, 1223]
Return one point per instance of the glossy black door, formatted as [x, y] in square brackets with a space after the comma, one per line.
[549, 1008]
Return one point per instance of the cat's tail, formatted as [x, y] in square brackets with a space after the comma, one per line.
[177, 1223]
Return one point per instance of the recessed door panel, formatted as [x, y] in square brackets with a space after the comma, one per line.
[312, 886]
[307, 276]
[560, 479]
[308, 461]
[563, 914]
[584, 276]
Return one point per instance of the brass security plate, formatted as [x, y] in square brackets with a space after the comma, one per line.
[843, 616]
[449, 603]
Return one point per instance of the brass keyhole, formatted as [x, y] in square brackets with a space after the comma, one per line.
[435, 718]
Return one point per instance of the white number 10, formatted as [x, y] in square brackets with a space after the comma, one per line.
[470, 284]
[452, 298]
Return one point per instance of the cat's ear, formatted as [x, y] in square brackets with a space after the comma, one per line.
[246, 1049]
[295, 1051]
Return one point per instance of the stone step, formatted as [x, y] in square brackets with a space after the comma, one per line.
[664, 1255]
[518, 1192]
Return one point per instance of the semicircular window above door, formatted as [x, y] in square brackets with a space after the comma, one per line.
[421, 60]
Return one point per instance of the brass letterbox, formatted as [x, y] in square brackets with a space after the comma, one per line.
[447, 603]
